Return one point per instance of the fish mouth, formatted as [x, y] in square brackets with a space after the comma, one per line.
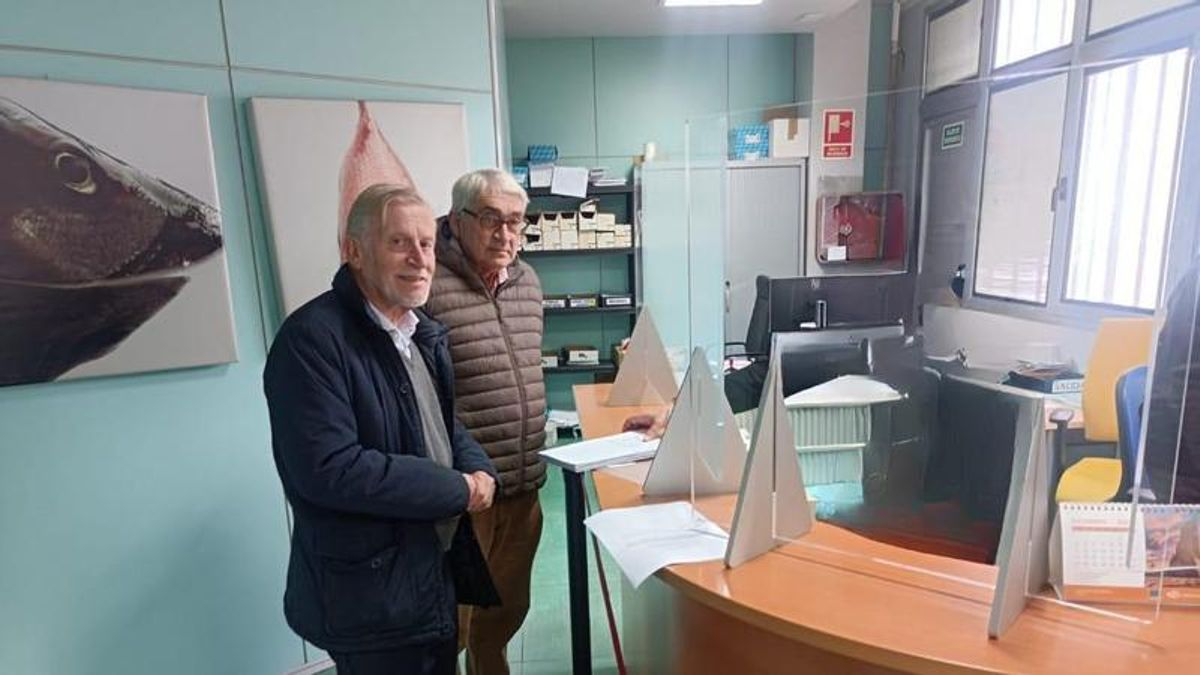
[51, 328]
[91, 247]
[181, 242]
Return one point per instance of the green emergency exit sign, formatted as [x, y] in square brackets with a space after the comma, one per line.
[952, 135]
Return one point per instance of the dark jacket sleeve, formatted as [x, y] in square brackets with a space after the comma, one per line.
[317, 446]
[469, 457]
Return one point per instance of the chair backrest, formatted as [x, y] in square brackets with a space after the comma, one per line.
[1120, 344]
[758, 330]
[1131, 395]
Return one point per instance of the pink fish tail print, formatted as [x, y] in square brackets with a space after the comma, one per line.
[368, 161]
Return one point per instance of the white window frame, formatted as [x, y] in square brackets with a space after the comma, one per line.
[1157, 33]
[939, 13]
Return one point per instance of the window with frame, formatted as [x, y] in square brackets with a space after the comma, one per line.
[1021, 162]
[953, 38]
[1107, 14]
[1129, 147]
[1082, 170]
[1026, 28]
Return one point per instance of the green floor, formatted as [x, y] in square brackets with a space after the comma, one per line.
[543, 645]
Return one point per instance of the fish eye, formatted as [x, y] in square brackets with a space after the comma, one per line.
[75, 171]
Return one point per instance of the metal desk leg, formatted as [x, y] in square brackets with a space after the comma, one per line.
[581, 640]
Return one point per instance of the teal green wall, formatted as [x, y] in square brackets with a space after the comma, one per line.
[600, 99]
[144, 530]
[804, 72]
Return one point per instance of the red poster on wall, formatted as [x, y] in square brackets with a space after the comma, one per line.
[837, 141]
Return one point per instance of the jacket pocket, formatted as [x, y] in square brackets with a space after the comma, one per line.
[373, 595]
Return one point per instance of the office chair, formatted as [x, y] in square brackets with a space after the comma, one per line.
[1121, 345]
[1131, 396]
[757, 344]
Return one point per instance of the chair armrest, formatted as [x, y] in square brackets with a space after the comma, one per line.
[1061, 417]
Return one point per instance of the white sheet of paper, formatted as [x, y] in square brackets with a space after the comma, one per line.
[570, 181]
[604, 451]
[540, 175]
[634, 473]
[644, 539]
[563, 418]
[847, 390]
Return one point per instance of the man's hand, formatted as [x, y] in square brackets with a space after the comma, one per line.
[483, 489]
[650, 426]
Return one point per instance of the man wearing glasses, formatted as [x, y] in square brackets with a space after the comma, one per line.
[491, 302]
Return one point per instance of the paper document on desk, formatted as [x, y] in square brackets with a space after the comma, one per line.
[645, 539]
[630, 446]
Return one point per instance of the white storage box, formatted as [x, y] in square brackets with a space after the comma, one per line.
[789, 137]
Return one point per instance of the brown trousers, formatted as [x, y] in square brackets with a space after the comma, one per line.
[508, 533]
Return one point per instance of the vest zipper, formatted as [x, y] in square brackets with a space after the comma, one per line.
[512, 359]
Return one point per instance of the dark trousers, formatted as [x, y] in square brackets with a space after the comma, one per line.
[439, 658]
[508, 533]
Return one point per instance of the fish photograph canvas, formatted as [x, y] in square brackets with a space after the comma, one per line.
[315, 156]
[112, 256]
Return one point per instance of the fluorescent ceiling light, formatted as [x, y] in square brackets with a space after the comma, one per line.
[710, 3]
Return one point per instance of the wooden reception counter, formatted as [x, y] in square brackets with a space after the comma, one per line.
[835, 602]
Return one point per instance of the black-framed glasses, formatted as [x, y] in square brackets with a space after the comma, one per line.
[493, 221]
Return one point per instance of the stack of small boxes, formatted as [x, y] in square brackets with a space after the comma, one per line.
[571, 230]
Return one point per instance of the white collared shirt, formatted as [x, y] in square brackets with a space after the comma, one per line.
[401, 333]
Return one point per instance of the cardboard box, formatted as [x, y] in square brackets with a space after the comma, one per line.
[587, 215]
[606, 240]
[583, 301]
[789, 137]
[551, 239]
[541, 154]
[567, 220]
[569, 239]
[533, 223]
[750, 141]
[587, 239]
[605, 221]
[576, 355]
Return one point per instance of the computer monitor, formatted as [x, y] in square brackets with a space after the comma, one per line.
[848, 300]
[805, 366]
[1171, 453]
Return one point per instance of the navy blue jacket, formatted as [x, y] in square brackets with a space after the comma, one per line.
[367, 571]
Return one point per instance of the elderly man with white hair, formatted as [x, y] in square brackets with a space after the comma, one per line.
[491, 302]
[379, 473]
